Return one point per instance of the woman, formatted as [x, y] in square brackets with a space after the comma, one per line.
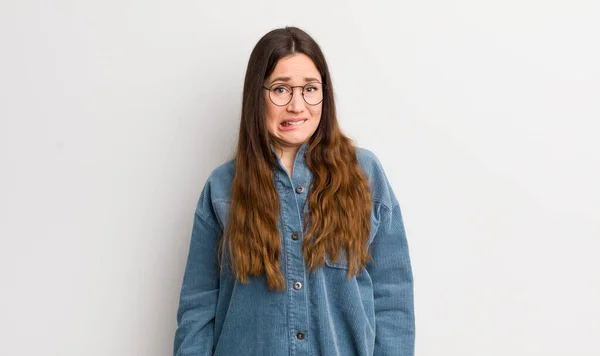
[298, 245]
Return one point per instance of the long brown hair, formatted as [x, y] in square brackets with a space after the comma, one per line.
[339, 204]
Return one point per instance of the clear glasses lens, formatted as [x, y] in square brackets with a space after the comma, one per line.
[281, 94]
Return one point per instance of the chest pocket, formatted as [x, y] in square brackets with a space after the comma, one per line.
[342, 260]
[222, 212]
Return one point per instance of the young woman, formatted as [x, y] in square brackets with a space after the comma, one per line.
[298, 245]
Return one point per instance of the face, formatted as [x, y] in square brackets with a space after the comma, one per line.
[293, 124]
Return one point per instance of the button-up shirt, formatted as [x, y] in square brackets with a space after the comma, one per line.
[321, 313]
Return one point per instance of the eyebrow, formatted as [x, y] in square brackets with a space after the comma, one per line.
[287, 79]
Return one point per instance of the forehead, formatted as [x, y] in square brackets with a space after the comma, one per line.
[295, 68]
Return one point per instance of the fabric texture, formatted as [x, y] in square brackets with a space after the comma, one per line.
[321, 313]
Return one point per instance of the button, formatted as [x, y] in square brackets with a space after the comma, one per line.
[299, 189]
[297, 285]
[294, 236]
[300, 335]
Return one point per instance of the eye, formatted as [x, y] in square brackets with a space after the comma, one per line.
[281, 89]
[312, 88]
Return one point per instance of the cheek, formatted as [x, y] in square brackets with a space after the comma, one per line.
[316, 113]
[272, 117]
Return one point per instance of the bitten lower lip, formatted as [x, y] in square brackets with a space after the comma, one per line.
[291, 127]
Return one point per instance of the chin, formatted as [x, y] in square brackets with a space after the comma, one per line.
[294, 142]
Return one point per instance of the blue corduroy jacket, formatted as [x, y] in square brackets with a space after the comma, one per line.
[320, 313]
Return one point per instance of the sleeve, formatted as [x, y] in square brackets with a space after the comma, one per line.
[391, 273]
[200, 287]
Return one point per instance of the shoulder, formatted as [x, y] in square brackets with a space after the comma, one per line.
[381, 190]
[217, 189]
[220, 181]
[368, 161]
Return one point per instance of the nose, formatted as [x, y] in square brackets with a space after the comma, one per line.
[297, 103]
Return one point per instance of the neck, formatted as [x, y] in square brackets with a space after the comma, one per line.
[286, 155]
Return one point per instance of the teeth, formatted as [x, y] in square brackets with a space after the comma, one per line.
[288, 123]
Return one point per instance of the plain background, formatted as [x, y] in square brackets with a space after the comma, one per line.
[484, 114]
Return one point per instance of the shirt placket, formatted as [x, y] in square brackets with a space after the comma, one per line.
[292, 194]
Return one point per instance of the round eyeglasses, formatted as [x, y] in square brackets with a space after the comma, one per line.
[281, 94]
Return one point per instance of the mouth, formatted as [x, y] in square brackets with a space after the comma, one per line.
[292, 123]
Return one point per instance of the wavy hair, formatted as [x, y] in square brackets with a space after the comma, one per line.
[338, 223]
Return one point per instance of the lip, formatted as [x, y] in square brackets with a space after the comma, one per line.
[293, 119]
[291, 127]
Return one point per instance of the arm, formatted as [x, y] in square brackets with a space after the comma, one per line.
[200, 288]
[391, 274]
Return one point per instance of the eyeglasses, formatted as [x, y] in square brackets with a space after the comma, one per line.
[281, 94]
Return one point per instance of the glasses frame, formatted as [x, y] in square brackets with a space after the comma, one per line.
[292, 96]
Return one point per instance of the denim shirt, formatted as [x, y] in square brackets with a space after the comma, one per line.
[321, 313]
